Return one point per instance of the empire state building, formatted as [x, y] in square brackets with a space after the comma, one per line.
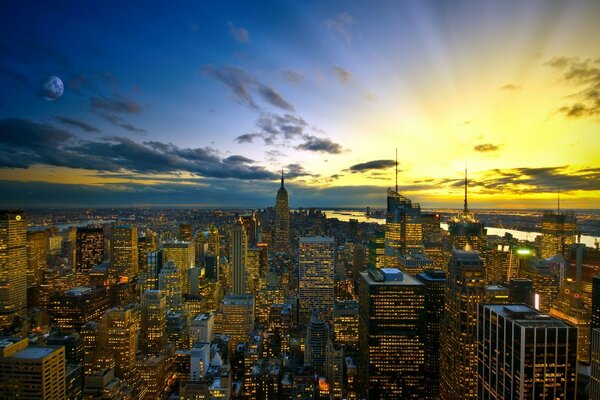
[281, 237]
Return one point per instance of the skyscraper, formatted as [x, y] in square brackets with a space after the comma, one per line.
[392, 327]
[13, 266]
[183, 254]
[435, 287]
[169, 282]
[317, 336]
[466, 231]
[523, 354]
[154, 311]
[124, 252]
[403, 230]
[89, 248]
[239, 252]
[236, 318]
[37, 256]
[558, 233]
[117, 333]
[315, 275]
[281, 237]
[595, 339]
[465, 287]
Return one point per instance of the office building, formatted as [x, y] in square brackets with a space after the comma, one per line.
[315, 275]
[202, 328]
[521, 291]
[281, 234]
[523, 354]
[558, 233]
[435, 288]
[37, 256]
[13, 266]
[183, 254]
[239, 256]
[124, 252]
[375, 251]
[345, 323]
[465, 287]
[545, 281]
[31, 372]
[75, 307]
[169, 283]
[89, 248]
[178, 329]
[236, 318]
[317, 337]
[154, 311]
[595, 340]
[392, 330]
[186, 233]
[403, 230]
[117, 332]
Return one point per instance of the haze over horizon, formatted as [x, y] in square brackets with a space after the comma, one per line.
[203, 104]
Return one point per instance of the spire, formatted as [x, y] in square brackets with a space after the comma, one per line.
[282, 178]
[466, 206]
[396, 170]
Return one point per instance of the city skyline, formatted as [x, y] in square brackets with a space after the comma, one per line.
[203, 104]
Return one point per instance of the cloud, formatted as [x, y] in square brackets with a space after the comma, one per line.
[77, 124]
[319, 145]
[372, 165]
[295, 170]
[116, 104]
[275, 129]
[247, 138]
[292, 76]
[25, 143]
[510, 87]
[486, 147]
[238, 33]
[340, 24]
[244, 87]
[121, 123]
[342, 75]
[584, 77]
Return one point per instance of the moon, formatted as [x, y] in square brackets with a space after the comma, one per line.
[52, 88]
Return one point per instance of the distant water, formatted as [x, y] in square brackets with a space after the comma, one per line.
[80, 224]
[521, 235]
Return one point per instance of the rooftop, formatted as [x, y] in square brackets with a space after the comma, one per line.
[316, 239]
[388, 277]
[79, 291]
[35, 352]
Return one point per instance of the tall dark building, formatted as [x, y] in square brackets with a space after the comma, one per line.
[595, 340]
[403, 230]
[595, 323]
[186, 232]
[558, 233]
[281, 237]
[523, 354]
[392, 330]
[465, 288]
[317, 336]
[13, 266]
[521, 291]
[435, 287]
[124, 252]
[239, 251]
[89, 248]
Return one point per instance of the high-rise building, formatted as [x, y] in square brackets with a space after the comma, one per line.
[392, 330]
[239, 252]
[523, 354]
[465, 287]
[315, 275]
[37, 256]
[31, 372]
[521, 291]
[77, 306]
[545, 281]
[154, 311]
[202, 328]
[183, 254]
[117, 332]
[403, 230]
[236, 318]
[281, 237]
[169, 282]
[435, 288]
[89, 248]
[13, 266]
[466, 231]
[558, 233]
[124, 252]
[376, 250]
[595, 323]
[317, 336]
[186, 233]
[345, 323]
[595, 340]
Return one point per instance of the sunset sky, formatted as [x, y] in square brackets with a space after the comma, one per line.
[202, 103]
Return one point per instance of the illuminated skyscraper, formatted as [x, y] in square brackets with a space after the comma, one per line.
[169, 282]
[558, 233]
[465, 287]
[77, 306]
[37, 256]
[403, 230]
[523, 354]
[466, 231]
[154, 311]
[435, 287]
[239, 251]
[186, 232]
[281, 237]
[89, 248]
[236, 318]
[13, 266]
[117, 333]
[376, 250]
[392, 328]
[124, 252]
[315, 275]
[183, 254]
[317, 336]
[595, 340]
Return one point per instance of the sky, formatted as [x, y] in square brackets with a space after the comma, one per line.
[203, 103]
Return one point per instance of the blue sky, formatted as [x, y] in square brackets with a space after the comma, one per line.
[202, 103]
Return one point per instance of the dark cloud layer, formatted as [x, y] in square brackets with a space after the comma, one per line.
[584, 77]
[245, 87]
[115, 104]
[319, 145]
[372, 165]
[25, 143]
[77, 124]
